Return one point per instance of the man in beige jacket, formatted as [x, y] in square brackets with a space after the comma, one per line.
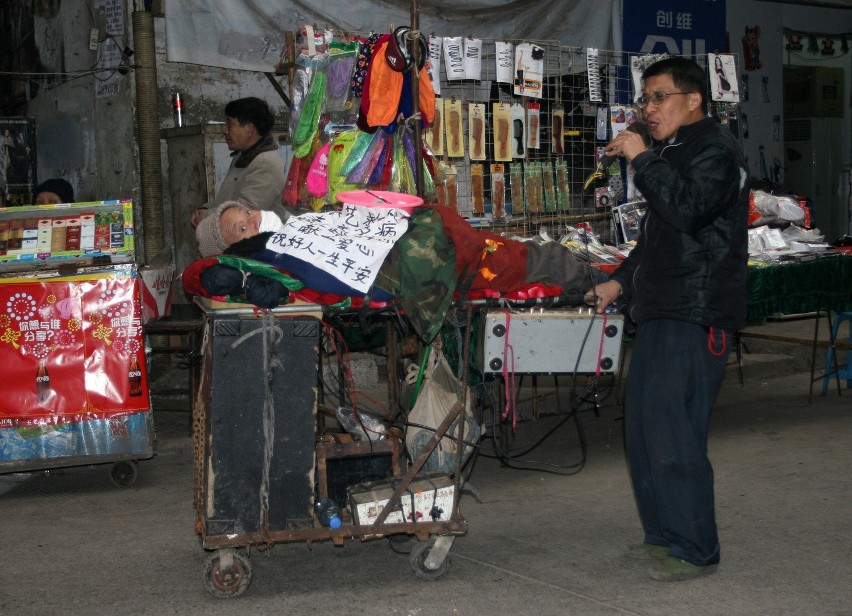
[257, 175]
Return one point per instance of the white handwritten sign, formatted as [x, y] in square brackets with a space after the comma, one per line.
[350, 244]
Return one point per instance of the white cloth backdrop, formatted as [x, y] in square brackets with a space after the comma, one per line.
[249, 34]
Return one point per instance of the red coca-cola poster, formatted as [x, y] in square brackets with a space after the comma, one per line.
[72, 349]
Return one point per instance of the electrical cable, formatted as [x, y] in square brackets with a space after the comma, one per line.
[505, 455]
[508, 456]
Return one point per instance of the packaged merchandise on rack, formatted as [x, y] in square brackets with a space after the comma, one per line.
[352, 116]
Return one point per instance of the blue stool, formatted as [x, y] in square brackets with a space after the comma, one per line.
[843, 371]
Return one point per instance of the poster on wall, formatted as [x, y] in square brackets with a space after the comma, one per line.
[110, 51]
[723, 78]
[72, 349]
[17, 161]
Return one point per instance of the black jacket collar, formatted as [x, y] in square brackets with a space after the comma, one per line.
[687, 131]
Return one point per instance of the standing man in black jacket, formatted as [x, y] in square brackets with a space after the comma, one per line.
[685, 283]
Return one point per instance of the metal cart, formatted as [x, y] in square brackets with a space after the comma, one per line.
[255, 438]
[74, 381]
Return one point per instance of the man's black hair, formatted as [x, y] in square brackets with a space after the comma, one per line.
[686, 75]
[252, 110]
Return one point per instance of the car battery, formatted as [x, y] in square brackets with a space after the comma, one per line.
[565, 340]
[428, 498]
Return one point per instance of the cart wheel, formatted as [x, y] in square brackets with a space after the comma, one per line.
[124, 473]
[227, 581]
[418, 557]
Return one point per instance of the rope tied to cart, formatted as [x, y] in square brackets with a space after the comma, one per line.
[271, 335]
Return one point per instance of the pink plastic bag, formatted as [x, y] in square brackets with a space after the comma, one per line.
[317, 180]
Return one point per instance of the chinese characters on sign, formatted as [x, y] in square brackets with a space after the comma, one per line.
[72, 350]
[676, 20]
[674, 27]
[350, 244]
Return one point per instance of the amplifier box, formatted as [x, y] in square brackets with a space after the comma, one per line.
[555, 341]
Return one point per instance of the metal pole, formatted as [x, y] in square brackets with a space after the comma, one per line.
[415, 94]
[148, 135]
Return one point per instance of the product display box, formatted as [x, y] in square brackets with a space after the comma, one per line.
[68, 231]
[428, 498]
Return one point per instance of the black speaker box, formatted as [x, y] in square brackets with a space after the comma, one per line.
[260, 424]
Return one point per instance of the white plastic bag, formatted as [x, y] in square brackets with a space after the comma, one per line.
[790, 210]
[362, 426]
[438, 394]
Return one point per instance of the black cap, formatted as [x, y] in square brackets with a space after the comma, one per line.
[61, 188]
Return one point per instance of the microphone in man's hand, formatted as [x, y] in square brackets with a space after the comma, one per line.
[640, 128]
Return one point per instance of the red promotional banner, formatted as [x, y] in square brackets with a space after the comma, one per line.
[71, 349]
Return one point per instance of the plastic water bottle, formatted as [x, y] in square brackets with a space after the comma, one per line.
[328, 512]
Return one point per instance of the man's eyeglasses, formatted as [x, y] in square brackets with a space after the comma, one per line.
[655, 97]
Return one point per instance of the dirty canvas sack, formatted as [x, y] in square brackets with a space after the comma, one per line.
[439, 393]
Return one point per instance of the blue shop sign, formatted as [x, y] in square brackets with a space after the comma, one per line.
[690, 28]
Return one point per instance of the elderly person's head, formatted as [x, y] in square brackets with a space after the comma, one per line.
[54, 190]
[229, 223]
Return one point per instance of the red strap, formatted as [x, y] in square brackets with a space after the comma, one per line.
[601, 347]
[509, 375]
[711, 343]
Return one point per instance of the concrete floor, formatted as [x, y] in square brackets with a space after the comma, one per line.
[539, 543]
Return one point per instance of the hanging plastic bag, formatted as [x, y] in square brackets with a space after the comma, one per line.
[410, 162]
[386, 153]
[397, 171]
[340, 148]
[364, 168]
[290, 195]
[387, 166]
[357, 152]
[317, 180]
[307, 127]
[438, 395]
[301, 84]
[428, 179]
[341, 65]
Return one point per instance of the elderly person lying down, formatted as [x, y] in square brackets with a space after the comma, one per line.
[434, 246]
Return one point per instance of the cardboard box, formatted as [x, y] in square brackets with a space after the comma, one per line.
[428, 498]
